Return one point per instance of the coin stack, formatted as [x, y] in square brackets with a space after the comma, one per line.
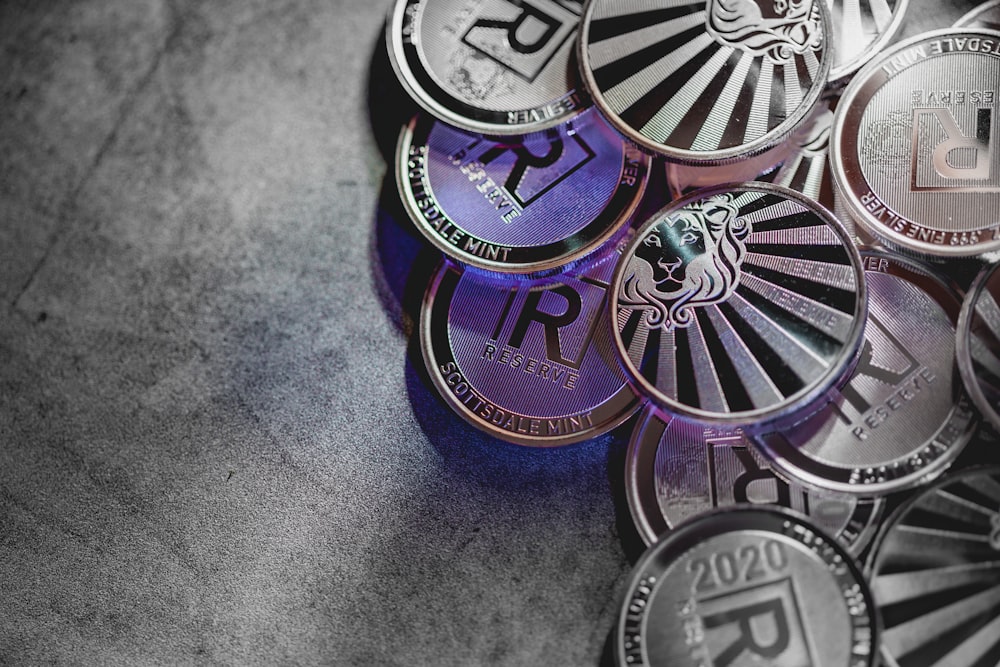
[753, 226]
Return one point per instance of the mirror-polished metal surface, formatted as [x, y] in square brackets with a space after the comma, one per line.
[705, 82]
[747, 586]
[806, 169]
[986, 16]
[739, 305]
[903, 416]
[492, 66]
[528, 361]
[978, 346]
[525, 206]
[936, 575]
[675, 470]
[860, 29]
[915, 149]
[684, 179]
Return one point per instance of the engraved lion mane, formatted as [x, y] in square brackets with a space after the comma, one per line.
[793, 29]
[709, 276]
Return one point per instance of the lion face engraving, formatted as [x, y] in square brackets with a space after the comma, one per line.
[690, 259]
[776, 29]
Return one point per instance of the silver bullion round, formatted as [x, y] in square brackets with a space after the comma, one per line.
[916, 144]
[747, 586]
[935, 574]
[805, 170]
[986, 15]
[739, 305]
[527, 361]
[524, 206]
[861, 28]
[675, 470]
[978, 344]
[705, 82]
[489, 66]
[683, 179]
[903, 415]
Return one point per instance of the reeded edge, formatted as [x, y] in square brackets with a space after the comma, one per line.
[763, 165]
[972, 16]
[799, 404]
[434, 341]
[478, 120]
[705, 158]
[778, 457]
[640, 487]
[839, 76]
[719, 521]
[963, 347]
[612, 220]
[838, 165]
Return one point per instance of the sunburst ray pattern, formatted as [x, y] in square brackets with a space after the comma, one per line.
[660, 69]
[781, 325]
[936, 576]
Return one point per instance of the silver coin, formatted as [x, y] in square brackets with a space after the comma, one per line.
[747, 586]
[856, 231]
[686, 178]
[739, 305]
[705, 82]
[986, 15]
[861, 28]
[936, 575]
[499, 67]
[805, 170]
[978, 345]
[915, 148]
[523, 206]
[675, 471]
[903, 416]
[527, 361]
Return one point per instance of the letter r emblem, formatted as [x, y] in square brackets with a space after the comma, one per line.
[953, 155]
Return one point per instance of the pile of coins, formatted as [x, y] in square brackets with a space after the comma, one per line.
[755, 224]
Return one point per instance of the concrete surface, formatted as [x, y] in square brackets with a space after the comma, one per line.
[217, 445]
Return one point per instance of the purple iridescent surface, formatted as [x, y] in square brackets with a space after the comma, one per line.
[538, 202]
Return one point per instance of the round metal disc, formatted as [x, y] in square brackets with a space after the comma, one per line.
[916, 144]
[739, 305]
[747, 586]
[805, 170]
[521, 206]
[857, 232]
[686, 178]
[986, 16]
[705, 82]
[860, 29]
[936, 575]
[527, 361]
[493, 66]
[903, 416]
[978, 346]
[675, 470]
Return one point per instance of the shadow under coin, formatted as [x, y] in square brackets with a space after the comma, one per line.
[494, 462]
[401, 262]
[389, 105]
[631, 540]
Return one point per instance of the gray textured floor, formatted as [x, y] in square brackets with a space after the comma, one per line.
[216, 445]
